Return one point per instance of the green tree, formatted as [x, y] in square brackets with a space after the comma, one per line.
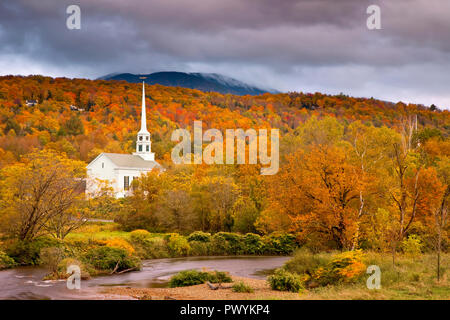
[74, 126]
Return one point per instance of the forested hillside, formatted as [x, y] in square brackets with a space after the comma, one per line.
[353, 171]
[109, 120]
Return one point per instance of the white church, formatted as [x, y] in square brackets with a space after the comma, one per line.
[118, 169]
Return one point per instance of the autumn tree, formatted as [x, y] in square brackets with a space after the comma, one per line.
[440, 215]
[102, 202]
[319, 191]
[39, 195]
[382, 230]
[139, 210]
[414, 190]
[252, 201]
[201, 204]
[175, 211]
[369, 149]
[223, 194]
[439, 221]
[74, 126]
[405, 191]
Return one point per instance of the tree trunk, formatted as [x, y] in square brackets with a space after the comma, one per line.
[393, 254]
[439, 257]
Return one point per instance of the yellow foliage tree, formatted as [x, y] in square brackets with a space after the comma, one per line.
[38, 195]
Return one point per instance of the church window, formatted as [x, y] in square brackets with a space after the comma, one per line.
[140, 147]
[146, 138]
[148, 148]
[140, 138]
[126, 182]
[133, 183]
[103, 164]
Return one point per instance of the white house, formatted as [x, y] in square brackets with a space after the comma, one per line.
[31, 103]
[120, 169]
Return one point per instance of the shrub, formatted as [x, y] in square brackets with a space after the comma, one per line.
[27, 252]
[157, 248]
[151, 248]
[199, 236]
[6, 261]
[412, 246]
[178, 245]
[110, 259]
[242, 287]
[86, 270]
[252, 243]
[226, 243]
[234, 241]
[345, 267]
[305, 262]
[218, 277]
[199, 248]
[279, 243]
[130, 220]
[120, 243]
[219, 246]
[194, 277]
[139, 235]
[320, 269]
[315, 243]
[288, 243]
[348, 265]
[187, 278]
[415, 277]
[79, 247]
[95, 227]
[51, 257]
[283, 280]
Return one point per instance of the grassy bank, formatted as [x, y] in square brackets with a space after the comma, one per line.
[148, 245]
[102, 248]
[411, 278]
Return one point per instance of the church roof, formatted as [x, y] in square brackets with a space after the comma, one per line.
[131, 161]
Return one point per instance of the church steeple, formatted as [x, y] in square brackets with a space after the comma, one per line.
[143, 142]
[143, 112]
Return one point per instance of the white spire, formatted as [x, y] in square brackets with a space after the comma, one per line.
[143, 142]
[143, 112]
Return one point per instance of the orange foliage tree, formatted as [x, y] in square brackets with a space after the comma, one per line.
[319, 191]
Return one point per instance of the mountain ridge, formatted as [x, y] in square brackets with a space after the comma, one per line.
[201, 81]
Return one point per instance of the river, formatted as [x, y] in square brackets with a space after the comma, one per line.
[26, 282]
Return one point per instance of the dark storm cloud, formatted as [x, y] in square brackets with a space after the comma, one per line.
[304, 45]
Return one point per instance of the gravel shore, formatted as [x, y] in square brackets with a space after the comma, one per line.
[202, 292]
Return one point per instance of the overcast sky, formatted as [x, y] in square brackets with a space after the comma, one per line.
[302, 45]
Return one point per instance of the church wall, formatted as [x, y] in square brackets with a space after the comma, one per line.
[131, 173]
[104, 169]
